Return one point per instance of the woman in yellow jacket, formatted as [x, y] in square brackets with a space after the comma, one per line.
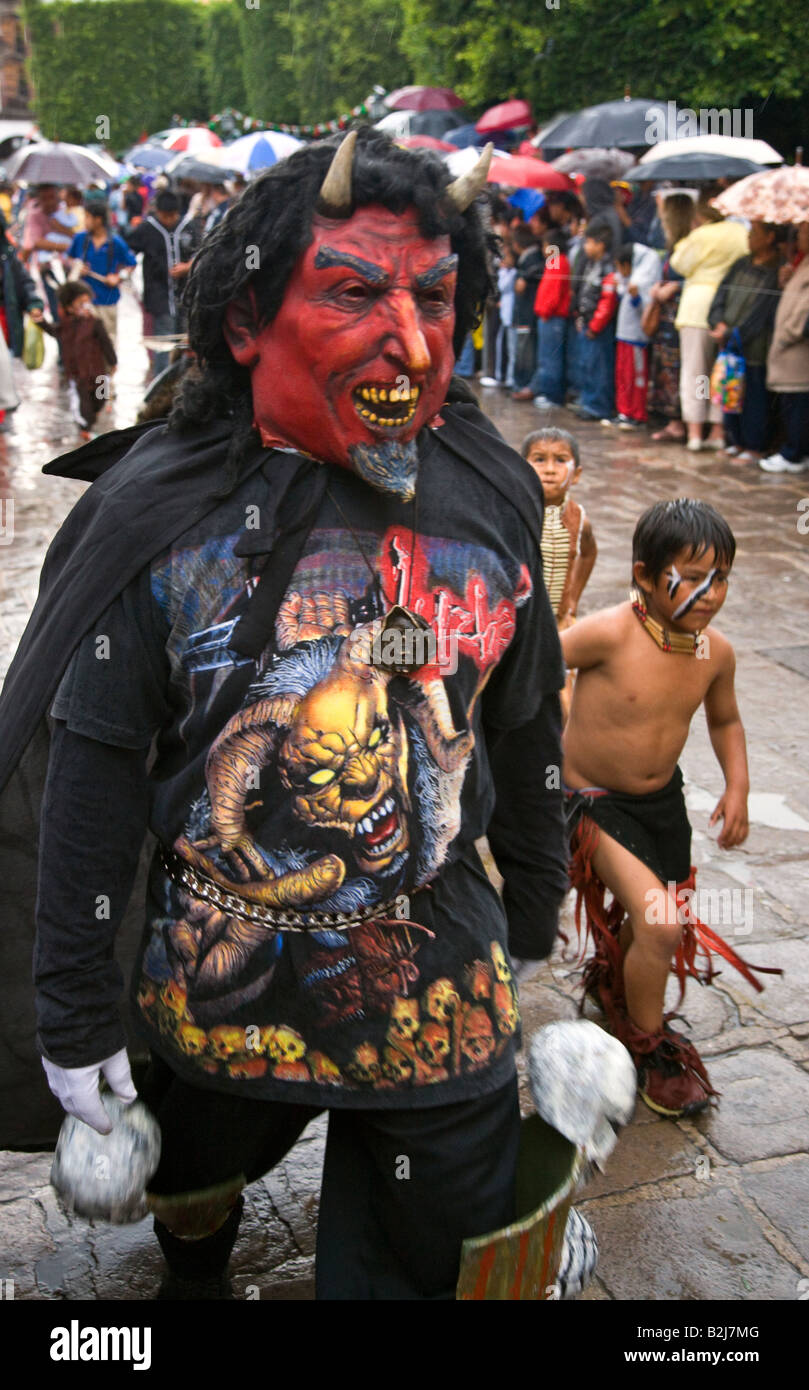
[703, 258]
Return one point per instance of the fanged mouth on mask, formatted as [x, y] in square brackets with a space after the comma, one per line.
[385, 406]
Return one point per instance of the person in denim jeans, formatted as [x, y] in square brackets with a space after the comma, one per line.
[551, 307]
[506, 347]
[596, 306]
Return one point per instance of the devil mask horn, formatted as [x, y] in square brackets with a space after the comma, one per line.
[335, 192]
[465, 189]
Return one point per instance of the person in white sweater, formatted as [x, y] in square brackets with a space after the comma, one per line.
[639, 269]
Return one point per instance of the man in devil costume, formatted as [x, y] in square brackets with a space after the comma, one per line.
[301, 633]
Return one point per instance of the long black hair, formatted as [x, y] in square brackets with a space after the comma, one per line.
[271, 226]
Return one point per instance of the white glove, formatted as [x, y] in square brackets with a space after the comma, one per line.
[76, 1088]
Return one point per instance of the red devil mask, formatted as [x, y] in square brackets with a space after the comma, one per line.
[359, 356]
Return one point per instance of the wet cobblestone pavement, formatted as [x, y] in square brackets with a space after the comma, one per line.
[695, 1209]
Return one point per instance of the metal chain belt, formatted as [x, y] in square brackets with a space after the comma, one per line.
[199, 885]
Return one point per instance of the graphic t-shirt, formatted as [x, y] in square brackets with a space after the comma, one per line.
[319, 924]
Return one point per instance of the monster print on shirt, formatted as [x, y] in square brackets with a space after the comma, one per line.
[285, 946]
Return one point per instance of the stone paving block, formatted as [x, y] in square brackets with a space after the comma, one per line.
[20, 1173]
[129, 1263]
[293, 1282]
[26, 1238]
[707, 1010]
[293, 1188]
[796, 1048]
[645, 1153]
[781, 1193]
[687, 1248]
[746, 1035]
[784, 885]
[763, 1108]
[68, 1273]
[786, 998]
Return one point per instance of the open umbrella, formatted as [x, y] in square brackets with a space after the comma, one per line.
[697, 167]
[187, 166]
[435, 123]
[595, 163]
[422, 99]
[53, 161]
[625, 124]
[734, 147]
[506, 116]
[425, 142]
[147, 157]
[192, 139]
[250, 153]
[463, 137]
[518, 172]
[774, 195]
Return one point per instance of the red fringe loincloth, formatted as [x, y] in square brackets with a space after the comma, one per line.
[603, 974]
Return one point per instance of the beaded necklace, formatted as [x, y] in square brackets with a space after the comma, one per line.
[667, 641]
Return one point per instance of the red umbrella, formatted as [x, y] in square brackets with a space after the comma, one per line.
[422, 99]
[191, 139]
[519, 172]
[506, 116]
[425, 142]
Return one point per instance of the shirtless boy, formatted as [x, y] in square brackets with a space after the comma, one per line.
[644, 668]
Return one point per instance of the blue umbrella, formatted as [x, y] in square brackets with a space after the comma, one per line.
[528, 200]
[262, 155]
[463, 137]
[147, 157]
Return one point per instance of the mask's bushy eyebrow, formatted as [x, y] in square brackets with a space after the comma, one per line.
[328, 256]
[428, 278]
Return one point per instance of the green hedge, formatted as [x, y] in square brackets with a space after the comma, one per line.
[140, 61]
[222, 57]
[134, 61]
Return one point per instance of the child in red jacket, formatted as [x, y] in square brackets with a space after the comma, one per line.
[551, 307]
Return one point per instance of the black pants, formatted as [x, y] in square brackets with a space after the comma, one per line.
[751, 429]
[794, 407]
[401, 1189]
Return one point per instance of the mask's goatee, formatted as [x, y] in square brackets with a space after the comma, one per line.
[391, 467]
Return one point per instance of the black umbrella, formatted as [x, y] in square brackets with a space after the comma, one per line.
[187, 166]
[436, 123]
[625, 124]
[698, 167]
[595, 163]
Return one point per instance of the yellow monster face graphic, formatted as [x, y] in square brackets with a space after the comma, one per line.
[346, 763]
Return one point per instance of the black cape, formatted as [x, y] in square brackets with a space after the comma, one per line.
[149, 485]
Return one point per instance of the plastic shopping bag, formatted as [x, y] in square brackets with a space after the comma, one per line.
[728, 377]
[33, 347]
